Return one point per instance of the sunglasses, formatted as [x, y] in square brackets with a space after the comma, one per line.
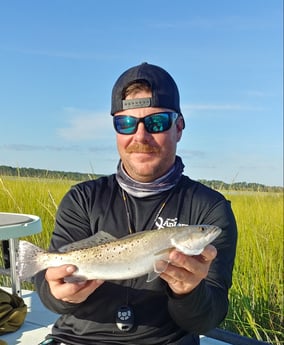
[154, 123]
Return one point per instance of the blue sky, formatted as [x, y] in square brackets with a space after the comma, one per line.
[60, 58]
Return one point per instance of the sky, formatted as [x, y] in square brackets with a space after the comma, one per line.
[59, 60]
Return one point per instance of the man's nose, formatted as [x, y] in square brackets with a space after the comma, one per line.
[141, 131]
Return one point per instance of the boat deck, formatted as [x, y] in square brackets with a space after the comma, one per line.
[37, 324]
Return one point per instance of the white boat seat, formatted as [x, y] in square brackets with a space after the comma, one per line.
[12, 227]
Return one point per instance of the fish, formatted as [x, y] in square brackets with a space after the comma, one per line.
[105, 257]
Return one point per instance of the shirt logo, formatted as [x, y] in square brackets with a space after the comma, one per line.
[167, 223]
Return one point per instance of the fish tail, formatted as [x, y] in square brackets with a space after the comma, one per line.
[28, 262]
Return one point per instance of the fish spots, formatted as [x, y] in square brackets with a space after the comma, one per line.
[109, 257]
[58, 258]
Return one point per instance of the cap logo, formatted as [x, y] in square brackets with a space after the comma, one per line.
[136, 103]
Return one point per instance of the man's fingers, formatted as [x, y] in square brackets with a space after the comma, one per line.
[58, 273]
[209, 253]
[185, 272]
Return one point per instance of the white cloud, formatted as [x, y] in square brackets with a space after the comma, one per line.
[86, 125]
[220, 107]
[29, 148]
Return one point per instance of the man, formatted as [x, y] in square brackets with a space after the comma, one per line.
[148, 191]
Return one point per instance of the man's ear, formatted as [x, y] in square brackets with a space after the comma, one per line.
[182, 121]
[180, 126]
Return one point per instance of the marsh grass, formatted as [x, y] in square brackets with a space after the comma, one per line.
[34, 196]
[256, 297]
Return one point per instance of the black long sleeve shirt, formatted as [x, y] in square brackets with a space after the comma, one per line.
[160, 317]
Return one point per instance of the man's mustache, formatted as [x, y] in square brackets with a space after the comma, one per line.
[142, 148]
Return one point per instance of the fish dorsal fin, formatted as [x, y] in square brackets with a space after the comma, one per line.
[100, 237]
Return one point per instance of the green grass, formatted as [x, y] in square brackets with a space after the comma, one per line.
[34, 196]
[256, 297]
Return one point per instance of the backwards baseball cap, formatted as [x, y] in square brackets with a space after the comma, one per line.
[165, 92]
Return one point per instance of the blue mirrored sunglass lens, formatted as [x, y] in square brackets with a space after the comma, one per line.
[157, 123]
[154, 123]
[125, 124]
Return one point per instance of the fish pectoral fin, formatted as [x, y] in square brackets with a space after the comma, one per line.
[161, 261]
[159, 267]
[100, 237]
[152, 276]
[160, 264]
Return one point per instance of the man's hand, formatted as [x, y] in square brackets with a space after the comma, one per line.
[69, 292]
[185, 272]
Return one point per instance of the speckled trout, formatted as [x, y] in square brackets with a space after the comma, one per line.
[105, 257]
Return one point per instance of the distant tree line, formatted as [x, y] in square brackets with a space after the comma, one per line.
[241, 186]
[42, 173]
[76, 176]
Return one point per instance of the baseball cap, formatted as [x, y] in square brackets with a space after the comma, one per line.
[165, 92]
